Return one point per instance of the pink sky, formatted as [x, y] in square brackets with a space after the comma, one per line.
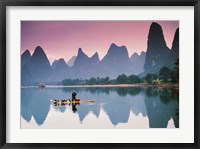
[61, 39]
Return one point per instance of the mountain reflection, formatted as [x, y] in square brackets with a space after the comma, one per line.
[34, 102]
[159, 105]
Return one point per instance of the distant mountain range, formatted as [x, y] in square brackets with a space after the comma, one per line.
[37, 68]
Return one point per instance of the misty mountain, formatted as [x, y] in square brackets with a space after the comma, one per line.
[61, 65]
[38, 67]
[81, 60]
[138, 62]
[25, 57]
[84, 66]
[70, 63]
[95, 59]
[116, 61]
[60, 70]
[54, 64]
[134, 57]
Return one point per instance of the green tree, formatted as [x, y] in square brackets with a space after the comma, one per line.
[165, 74]
[92, 81]
[150, 77]
[106, 80]
[175, 72]
[121, 79]
[133, 79]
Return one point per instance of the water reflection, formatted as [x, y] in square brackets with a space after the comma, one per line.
[161, 103]
[158, 105]
[57, 104]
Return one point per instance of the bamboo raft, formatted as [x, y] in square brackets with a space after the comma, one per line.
[69, 101]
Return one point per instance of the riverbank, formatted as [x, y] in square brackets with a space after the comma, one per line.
[162, 85]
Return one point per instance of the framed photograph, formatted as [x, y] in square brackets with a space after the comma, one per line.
[99, 74]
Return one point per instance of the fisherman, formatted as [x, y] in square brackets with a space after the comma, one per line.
[74, 109]
[74, 96]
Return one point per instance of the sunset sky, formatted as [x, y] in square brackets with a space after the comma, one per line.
[61, 39]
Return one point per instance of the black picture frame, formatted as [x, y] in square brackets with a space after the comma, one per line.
[5, 3]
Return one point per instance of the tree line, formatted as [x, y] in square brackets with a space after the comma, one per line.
[121, 79]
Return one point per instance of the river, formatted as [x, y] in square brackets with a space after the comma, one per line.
[115, 108]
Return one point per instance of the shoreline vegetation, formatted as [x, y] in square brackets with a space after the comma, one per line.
[161, 85]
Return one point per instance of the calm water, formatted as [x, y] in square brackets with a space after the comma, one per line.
[115, 107]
